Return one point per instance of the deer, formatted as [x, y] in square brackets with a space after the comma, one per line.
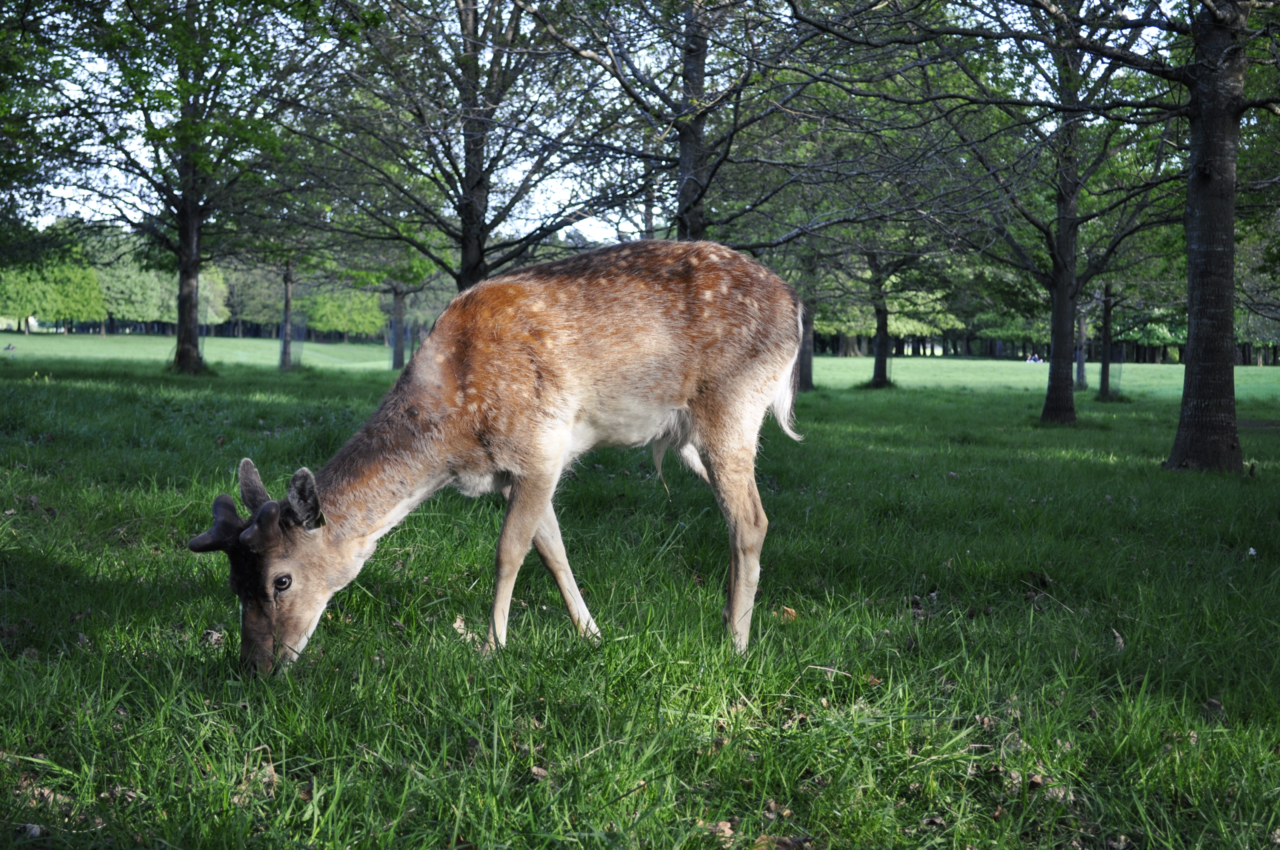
[678, 345]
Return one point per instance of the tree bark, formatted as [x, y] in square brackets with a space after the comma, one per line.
[286, 322]
[397, 329]
[187, 357]
[691, 179]
[1059, 400]
[1082, 340]
[880, 371]
[473, 197]
[1207, 437]
[806, 350]
[1104, 379]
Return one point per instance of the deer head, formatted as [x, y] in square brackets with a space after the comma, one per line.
[273, 556]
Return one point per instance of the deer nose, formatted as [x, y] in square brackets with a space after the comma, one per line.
[256, 661]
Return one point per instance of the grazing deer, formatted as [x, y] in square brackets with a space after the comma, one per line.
[678, 344]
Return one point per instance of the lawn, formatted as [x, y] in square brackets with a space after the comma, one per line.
[972, 630]
[218, 351]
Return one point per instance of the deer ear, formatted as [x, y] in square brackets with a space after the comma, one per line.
[252, 493]
[304, 500]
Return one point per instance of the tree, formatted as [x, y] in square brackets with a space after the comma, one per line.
[454, 129]
[1058, 181]
[36, 141]
[1216, 57]
[182, 100]
[697, 78]
[345, 311]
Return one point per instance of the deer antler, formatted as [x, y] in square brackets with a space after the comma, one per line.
[226, 530]
[265, 529]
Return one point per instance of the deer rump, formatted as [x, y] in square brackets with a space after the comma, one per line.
[681, 345]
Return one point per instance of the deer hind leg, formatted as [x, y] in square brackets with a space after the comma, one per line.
[528, 500]
[731, 468]
[550, 548]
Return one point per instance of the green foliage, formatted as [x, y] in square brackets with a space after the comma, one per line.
[345, 311]
[52, 292]
[131, 293]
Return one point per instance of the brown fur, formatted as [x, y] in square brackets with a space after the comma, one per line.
[681, 344]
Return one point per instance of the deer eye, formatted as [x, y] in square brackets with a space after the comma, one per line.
[282, 583]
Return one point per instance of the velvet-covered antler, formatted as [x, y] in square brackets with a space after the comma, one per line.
[227, 528]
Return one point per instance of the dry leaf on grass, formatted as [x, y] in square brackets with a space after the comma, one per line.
[120, 794]
[933, 822]
[460, 626]
[1119, 641]
[781, 842]
[786, 615]
[721, 829]
[258, 781]
[539, 773]
[773, 811]
[38, 796]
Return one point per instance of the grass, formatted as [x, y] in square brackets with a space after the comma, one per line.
[971, 631]
[218, 351]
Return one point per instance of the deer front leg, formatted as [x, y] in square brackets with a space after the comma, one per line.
[550, 548]
[527, 503]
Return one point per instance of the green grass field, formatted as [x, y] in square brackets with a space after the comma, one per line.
[972, 631]
[218, 351]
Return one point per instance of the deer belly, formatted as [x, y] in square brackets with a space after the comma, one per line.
[629, 425]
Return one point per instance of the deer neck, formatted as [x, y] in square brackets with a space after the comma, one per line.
[388, 468]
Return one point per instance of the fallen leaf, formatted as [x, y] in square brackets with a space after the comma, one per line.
[721, 829]
[259, 781]
[780, 842]
[460, 626]
[998, 813]
[873, 681]
[953, 475]
[539, 773]
[11, 512]
[118, 793]
[212, 637]
[933, 822]
[1212, 708]
[773, 811]
[1119, 641]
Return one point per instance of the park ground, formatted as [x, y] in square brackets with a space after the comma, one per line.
[972, 630]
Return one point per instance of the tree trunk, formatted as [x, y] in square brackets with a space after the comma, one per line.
[880, 371]
[1082, 340]
[187, 357]
[1104, 379]
[1207, 436]
[692, 174]
[397, 329]
[286, 322]
[473, 198]
[805, 366]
